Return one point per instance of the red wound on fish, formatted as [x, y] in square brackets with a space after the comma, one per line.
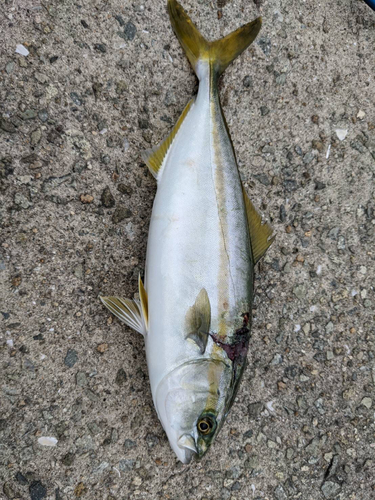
[237, 350]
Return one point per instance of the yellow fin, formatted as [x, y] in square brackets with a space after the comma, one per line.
[198, 320]
[260, 234]
[219, 53]
[127, 311]
[144, 301]
[154, 157]
[225, 50]
[194, 44]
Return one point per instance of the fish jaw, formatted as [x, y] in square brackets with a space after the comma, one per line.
[184, 454]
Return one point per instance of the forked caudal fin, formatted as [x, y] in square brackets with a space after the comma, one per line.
[220, 53]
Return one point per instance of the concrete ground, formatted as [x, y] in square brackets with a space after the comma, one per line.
[102, 81]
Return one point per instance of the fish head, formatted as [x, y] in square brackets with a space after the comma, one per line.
[192, 402]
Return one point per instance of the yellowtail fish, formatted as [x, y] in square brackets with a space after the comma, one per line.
[204, 240]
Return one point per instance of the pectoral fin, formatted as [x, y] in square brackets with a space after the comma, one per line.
[198, 319]
[133, 313]
[127, 311]
[260, 234]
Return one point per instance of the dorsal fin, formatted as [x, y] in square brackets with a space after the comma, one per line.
[198, 320]
[260, 234]
[154, 157]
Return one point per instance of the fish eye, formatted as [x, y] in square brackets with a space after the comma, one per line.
[205, 425]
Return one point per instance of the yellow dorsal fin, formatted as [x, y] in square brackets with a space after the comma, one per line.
[144, 300]
[154, 157]
[219, 53]
[260, 234]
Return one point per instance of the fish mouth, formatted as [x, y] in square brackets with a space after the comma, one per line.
[187, 448]
[188, 456]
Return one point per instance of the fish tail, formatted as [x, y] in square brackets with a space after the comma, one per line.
[196, 47]
[220, 53]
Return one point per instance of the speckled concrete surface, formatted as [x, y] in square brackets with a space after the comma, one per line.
[102, 81]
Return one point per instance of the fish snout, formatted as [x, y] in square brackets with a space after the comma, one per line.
[187, 448]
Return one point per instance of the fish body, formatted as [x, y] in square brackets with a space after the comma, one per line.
[204, 239]
[198, 238]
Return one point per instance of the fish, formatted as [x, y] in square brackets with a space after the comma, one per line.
[205, 238]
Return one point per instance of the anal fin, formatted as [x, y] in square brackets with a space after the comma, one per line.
[155, 156]
[260, 234]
